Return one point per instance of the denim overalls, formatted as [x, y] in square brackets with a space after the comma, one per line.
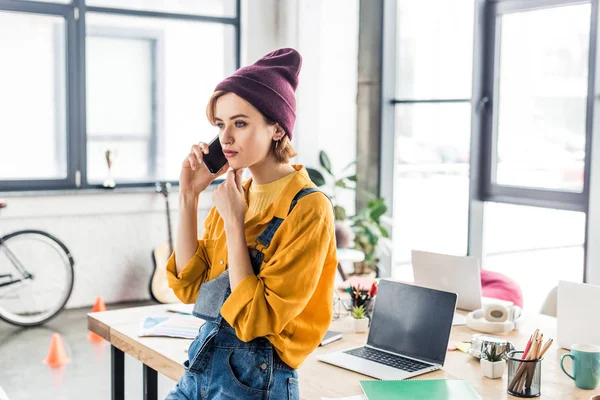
[220, 365]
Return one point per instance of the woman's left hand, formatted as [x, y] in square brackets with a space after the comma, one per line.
[229, 198]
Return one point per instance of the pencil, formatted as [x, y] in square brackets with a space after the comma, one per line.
[527, 347]
[530, 370]
[546, 347]
[541, 340]
[516, 382]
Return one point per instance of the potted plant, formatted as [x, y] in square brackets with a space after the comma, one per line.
[360, 322]
[364, 231]
[492, 362]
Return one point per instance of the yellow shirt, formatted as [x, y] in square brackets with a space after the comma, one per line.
[262, 196]
[290, 301]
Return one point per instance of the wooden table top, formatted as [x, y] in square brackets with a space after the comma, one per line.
[166, 355]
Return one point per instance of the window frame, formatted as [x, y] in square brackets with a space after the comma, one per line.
[487, 111]
[74, 63]
[156, 39]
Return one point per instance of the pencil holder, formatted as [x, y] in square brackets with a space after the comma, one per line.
[524, 376]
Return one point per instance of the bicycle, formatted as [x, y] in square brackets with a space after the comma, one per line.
[36, 276]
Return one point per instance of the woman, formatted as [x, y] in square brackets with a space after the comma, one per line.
[262, 274]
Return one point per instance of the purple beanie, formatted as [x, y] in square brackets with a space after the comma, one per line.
[269, 85]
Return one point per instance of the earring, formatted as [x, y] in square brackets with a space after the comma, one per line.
[276, 143]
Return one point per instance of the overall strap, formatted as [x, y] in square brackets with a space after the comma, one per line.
[264, 240]
[301, 194]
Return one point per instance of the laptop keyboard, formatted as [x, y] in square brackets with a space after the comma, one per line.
[391, 360]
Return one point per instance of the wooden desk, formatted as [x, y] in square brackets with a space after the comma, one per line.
[317, 379]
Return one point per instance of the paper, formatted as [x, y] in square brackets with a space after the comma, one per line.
[181, 308]
[359, 397]
[179, 326]
[463, 346]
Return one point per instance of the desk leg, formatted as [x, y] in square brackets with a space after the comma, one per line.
[150, 383]
[117, 366]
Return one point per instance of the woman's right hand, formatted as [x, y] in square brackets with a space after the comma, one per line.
[195, 177]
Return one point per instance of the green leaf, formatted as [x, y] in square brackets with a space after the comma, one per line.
[384, 232]
[340, 213]
[378, 211]
[325, 163]
[351, 178]
[358, 312]
[341, 184]
[316, 177]
[374, 232]
[374, 202]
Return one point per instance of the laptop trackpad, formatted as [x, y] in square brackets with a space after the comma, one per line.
[366, 367]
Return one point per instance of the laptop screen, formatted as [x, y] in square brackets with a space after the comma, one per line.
[412, 321]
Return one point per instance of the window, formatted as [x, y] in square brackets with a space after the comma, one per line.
[535, 246]
[537, 149]
[431, 185]
[148, 69]
[432, 138]
[514, 191]
[542, 98]
[434, 49]
[120, 112]
[535, 130]
[33, 84]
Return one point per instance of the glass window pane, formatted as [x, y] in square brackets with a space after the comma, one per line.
[32, 97]
[119, 89]
[213, 8]
[535, 246]
[130, 160]
[542, 98]
[431, 182]
[434, 49]
[150, 79]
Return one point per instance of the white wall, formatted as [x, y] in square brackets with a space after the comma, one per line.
[111, 234]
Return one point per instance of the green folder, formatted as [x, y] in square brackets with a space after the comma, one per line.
[432, 389]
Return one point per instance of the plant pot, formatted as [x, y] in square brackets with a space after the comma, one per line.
[360, 325]
[492, 370]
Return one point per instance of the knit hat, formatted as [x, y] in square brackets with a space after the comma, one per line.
[269, 85]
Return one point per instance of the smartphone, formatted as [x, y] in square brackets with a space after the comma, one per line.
[215, 159]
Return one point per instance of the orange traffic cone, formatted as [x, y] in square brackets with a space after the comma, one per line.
[57, 356]
[99, 305]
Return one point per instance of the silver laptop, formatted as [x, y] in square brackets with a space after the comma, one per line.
[578, 321]
[456, 274]
[410, 329]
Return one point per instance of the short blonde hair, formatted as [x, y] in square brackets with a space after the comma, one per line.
[282, 150]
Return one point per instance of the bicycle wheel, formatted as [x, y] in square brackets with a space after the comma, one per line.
[36, 277]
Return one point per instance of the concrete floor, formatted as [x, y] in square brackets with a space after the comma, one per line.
[87, 376]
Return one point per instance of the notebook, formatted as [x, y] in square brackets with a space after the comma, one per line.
[181, 308]
[179, 326]
[429, 389]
